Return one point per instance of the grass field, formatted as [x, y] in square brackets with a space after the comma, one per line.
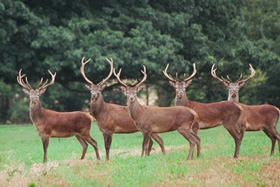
[21, 156]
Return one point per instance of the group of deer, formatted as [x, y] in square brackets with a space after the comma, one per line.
[187, 117]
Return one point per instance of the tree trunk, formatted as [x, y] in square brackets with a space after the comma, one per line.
[165, 96]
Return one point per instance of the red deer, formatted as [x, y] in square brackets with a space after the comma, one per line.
[50, 123]
[258, 117]
[209, 114]
[111, 118]
[150, 119]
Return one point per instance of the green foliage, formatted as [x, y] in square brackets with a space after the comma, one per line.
[19, 111]
[55, 35]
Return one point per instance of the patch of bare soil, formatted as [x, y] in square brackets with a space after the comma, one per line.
[126, 152]
[271, 173]
[18, 175]
[220, 172]
[38, 169]
[137, 152]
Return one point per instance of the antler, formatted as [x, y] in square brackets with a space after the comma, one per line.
[118, 77]
[46, 84]
[193, 74]
[213, 72]
[250, 77]
[111, 62]
[169, 76]
[124, 84]
[83, 70]
[21, 82]
[144, 78]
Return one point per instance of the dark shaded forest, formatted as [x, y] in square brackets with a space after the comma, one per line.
[54, 35]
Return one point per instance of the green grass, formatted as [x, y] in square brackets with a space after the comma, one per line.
[21, 154]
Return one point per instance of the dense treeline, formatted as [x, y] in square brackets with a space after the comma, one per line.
[55, 34]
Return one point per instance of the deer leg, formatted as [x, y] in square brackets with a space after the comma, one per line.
[159, 140]
[275, 134]
[150, 146]
[187, 134]
[273, 140]
[242, 133]
[91, 141]
[84, 145]
[195, 128]
[142, 153]
[45, 140]
[197, 140]
[146, 142]
[236, 136]
[108, 141]
[143, 146]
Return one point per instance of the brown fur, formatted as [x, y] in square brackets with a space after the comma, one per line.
[212, 115]
[261, 117]
[257, 117]
[111, 118]
[151, 120]
[50, 123]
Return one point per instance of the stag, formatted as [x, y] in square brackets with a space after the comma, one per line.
[258, 117]
[111, 118]
[210, 115]
[49, 123]
[151, 119]
[233, 87]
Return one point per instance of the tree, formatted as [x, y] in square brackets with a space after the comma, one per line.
[56, 34]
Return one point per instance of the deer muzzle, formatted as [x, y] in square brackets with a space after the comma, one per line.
[34, 99]
[180, 94]
[131, 98]
[94, 96]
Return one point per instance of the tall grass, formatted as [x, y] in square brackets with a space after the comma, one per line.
[21, 154]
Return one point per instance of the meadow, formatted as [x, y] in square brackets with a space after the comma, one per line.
[21, 156]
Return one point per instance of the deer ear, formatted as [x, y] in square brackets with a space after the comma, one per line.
[241, 84]
[226, 84]
[123, 88]
[87, 86]
[139, 88]
[26, 91]
[186, 84]
[42, 91]
[172, 84]
[103, 87]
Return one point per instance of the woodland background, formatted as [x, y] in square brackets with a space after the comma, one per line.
[37, 35]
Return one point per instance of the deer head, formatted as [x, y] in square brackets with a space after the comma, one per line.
[233, 87]
[180, 86]
[41, 88]
[132, 90]
[96, 89]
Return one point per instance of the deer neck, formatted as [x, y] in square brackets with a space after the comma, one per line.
[233, 99]
[97, 106]
[183, 101]
[36, 112]
[134, 109]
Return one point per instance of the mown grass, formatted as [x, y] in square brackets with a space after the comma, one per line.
[21, 154]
